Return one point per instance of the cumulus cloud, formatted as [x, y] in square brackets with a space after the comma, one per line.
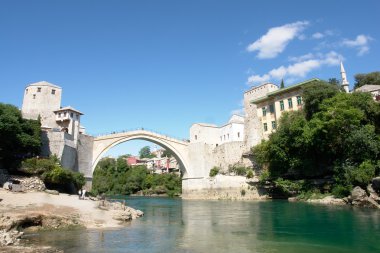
[303, 66]
[276, 39]
[360, 43]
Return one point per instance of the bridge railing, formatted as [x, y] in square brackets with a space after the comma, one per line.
[137, 129]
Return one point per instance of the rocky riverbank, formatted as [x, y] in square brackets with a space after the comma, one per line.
[33, 211]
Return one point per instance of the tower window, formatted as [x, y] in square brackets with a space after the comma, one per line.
[39, 89]
[26, 91]
[282, 107]
[34, 96]
[64, 114]
[72, 115]
[196, 137]
[53, 91]
[238, 134]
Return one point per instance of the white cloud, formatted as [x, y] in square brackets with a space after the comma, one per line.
[318, 35]
[258, 78]
[276, 39]
[303, 66]
[360, 43]
[302, 57]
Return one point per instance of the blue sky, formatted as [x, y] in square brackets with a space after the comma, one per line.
[164, 65]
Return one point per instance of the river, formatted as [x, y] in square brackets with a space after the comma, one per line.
[194, 226]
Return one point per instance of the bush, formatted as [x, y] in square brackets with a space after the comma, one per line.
[288, 187]
[341, 191]
[264, 176]
[214, 171]
[362, 175]
[242, 192]
[238, 170]
[37, 166]
[249, 174]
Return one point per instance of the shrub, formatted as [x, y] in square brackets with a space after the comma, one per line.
[363, 174]
[288, 187]
[214, 171]
[264, 176]
[78, 179]
[37, 166]
[242, 192]
[238, 170]
[341, 191]
[249, 174]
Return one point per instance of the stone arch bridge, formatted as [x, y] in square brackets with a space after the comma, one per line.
[179, 148]
[195, 159]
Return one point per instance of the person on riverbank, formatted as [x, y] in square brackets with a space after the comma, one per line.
[80, 194]
[83, 193]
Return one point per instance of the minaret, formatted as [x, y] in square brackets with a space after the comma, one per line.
[344, 78]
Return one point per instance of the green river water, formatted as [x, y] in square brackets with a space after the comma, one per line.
[194, 226]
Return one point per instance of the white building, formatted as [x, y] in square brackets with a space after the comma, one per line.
[232, 131]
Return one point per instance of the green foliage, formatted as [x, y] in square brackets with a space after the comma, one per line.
[214, 171]
[117, 177]
[340, 139]
[311, 194]
[341, 191]
[334, 81]
[250, 174]
[78, 179]
[238, 170]
[369, 78]
[314, 93]
[19, 137]
[145, 152]
[288, 187]
[167, 153]
[242, 192]
[264, 176]
[361, 175]
[37, 166]
[51, 172]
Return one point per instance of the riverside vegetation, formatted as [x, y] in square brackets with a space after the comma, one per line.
[329, 147]
[115, 176]
[19, 146]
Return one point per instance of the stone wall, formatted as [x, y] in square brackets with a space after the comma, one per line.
[85, 148]
[230, 154]
[221, 187]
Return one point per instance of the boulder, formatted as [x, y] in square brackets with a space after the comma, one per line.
[122, 215]
[372, 193]
[376, 184]
[10, 237]
[358, 194]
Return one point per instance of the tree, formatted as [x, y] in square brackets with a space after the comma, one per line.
[334, 81]
[369, 78]
[19, 138]
[282, 84]
[314, 93]
[145, 152]
[167, 153]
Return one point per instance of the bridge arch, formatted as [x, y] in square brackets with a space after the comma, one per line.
[179, 148]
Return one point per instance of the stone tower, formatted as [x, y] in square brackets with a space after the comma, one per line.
[42, 99]
[345, 82]
[253, 130]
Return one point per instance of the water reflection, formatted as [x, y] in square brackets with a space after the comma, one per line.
[174, 225]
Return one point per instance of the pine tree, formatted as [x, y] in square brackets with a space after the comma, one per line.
[282, 84]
